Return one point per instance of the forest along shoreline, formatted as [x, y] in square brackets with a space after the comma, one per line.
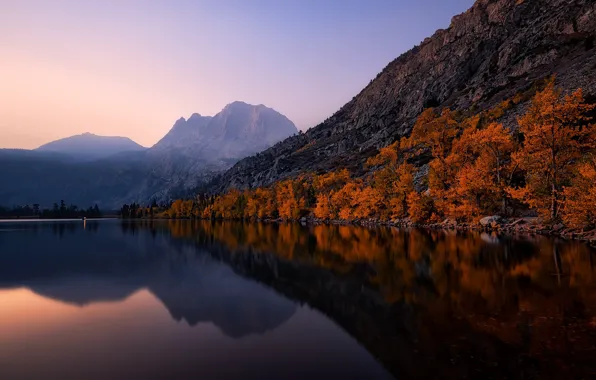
[456, 170]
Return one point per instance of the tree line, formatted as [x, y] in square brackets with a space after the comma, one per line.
[58, 211]
[137, 211]
[476, 167]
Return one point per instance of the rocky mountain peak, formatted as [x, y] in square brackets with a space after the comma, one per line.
[240, 129]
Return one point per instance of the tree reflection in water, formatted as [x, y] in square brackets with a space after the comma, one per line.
[426, 302]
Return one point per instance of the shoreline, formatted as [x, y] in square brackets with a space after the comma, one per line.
[523, 225]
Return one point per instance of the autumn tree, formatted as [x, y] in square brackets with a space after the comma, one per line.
[366, 202]
[229, 205]
[289, 202]
[322, 209]
[556, 133]
[252, 206]
[393, 181]
[435, 134]
[340, 201]
[580, 198]
[421, 207]
[175, 209]
[485, 174]
[333, 180]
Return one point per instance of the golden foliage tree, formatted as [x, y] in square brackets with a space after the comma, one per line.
[482, 180]
[556, 134]
[436, 134]
[393, 181]
[580, 198]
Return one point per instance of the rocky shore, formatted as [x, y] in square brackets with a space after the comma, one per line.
[524, 225]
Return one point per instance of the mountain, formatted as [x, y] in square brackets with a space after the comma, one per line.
[493, 51]
[88, 147]
[113, 171]
[197, 148]
[184, 133]
[239, 130]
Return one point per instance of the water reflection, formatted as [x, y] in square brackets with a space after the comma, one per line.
[92, 268]
[426, 304]
[462, 304]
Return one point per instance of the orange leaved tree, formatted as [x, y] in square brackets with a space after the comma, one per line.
[484, 179]
[393, 181]
[580, 198]
[556, 134]
[436, 134]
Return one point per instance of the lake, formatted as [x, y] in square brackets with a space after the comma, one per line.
[229, 300]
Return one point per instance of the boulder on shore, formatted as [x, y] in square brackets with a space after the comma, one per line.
[491, 221]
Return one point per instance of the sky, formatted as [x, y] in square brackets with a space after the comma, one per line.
[133, 67]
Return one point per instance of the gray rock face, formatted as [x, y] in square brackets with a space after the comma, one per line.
[496, 49]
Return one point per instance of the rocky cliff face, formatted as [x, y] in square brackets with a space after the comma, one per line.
[496, 49]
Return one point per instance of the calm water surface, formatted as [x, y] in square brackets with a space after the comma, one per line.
[202, 300]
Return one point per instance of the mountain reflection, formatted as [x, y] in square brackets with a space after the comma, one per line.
[422, 302]
[81, 269]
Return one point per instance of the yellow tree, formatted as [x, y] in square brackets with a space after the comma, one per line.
[485, 178]
[322, 209]
[394, 180]
[289, 203]
[340, 201]
[252, 205]
[175, 210]
[556, 134]
[366, 202]
[331, 181]
[266, 203]
[435, 134]
[580, 198]
[420, 208]
[187, 209]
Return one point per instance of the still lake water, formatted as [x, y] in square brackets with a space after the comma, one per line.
[202, 300]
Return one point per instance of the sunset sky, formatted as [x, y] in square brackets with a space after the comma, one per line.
[132, 67]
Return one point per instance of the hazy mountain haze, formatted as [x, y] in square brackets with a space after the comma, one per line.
[128, 68]
[88, 147]
[109, 171]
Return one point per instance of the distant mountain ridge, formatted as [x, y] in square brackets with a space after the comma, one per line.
[88, 146]
[109, 171]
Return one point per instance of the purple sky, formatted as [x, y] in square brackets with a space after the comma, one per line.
[132, 67]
